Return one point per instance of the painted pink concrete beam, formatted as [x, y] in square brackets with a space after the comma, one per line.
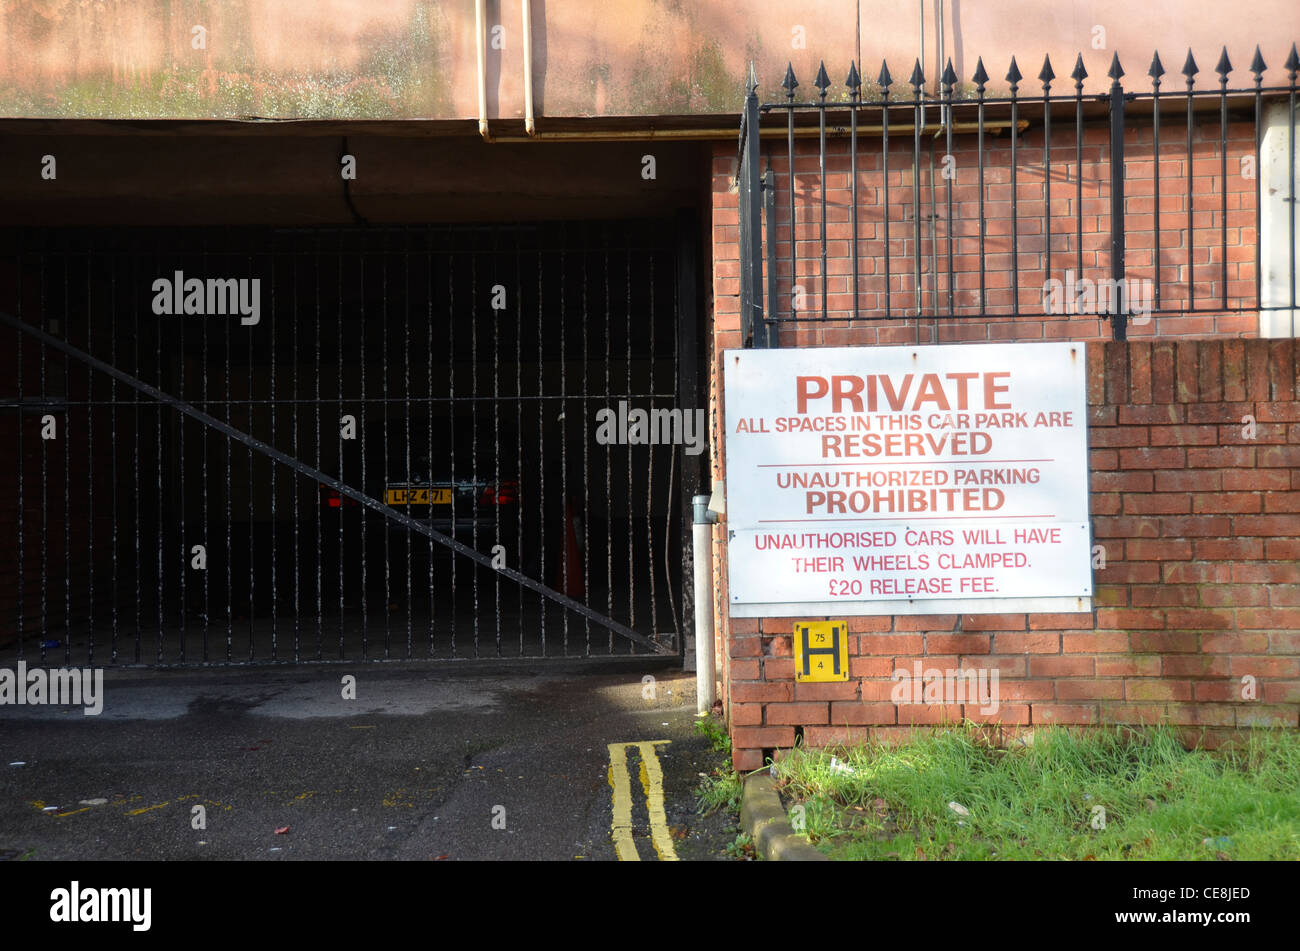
[395, 59]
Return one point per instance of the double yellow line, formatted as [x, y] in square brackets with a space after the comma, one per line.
[652, 781]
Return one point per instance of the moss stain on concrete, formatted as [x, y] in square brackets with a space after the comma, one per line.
[405, 76]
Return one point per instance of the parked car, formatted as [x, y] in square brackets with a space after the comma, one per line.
[441, 471]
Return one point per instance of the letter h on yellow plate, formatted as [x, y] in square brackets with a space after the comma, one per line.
[821, 651]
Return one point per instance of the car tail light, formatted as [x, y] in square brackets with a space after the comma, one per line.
[503, 493]
[332, 498]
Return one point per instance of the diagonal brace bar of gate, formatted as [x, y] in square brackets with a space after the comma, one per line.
[386, 510]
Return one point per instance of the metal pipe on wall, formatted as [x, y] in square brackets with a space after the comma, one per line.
[530, 126]
[702, 537]
[480, 43]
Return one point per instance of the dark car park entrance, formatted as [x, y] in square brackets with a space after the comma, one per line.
[255, 445]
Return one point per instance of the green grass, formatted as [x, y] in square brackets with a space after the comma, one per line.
[1161, 801]
[716, 732]
[722, 790]
[742, 849]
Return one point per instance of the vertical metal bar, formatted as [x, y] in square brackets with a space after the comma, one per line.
[43, 317]
[770, 336]
[1156, 71]
[790, 83]
[21, 516]
[297, 562]
[429, 409]
[609, 460]
[319, 259]
[252, 525]
[519, 422]
[1013, 76]
[1223, 69]
[338, 442]
[1119, 318]
[182, 549]
[91, 406]
[406, 356]
[1078, 76]
[586, 443]
[627, 265]
[854, 94]
[496, 473]
[948, 80]
[918, 80]
[474, 431]
[564, 435]
[203, 395]
[981, 78]
[822, 83]
[45, 462]
[451, 427]
[650, 478]
[1047, 75]
[885, 82]
[271, 409]
[744, 224]
[384, 404]
[112, 395]
[364, 407]
[541, 440]
[158, 457]
[64, 324]
[135, 352]
[751, 217]
[933, 217]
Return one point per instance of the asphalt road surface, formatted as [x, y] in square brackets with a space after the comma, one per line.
[445, 762]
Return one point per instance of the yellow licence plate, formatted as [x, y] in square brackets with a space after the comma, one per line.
[419, 496]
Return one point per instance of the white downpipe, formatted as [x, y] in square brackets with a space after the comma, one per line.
[480, 41]
[1279, 187]
[702, 542]
[530, 126]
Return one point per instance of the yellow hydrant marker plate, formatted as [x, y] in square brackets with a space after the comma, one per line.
[821, 651]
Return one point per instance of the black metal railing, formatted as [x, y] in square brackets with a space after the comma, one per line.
[961, 111]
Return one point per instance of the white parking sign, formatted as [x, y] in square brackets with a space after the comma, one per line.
[908, 480]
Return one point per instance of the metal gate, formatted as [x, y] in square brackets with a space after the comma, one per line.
[364, 443]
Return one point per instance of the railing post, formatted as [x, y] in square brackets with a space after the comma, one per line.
[752, 326]
[1119, 316]
[765, 335]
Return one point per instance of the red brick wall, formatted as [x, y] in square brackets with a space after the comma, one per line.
[1201, 529]
[1200, 525]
